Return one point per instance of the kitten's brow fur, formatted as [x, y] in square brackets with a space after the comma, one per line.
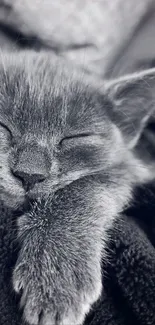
[59, 125]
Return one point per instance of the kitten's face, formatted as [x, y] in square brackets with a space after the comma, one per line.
[54, 129]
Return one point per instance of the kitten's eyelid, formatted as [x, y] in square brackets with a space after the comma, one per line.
[5, 127]
[9, 132]
[76, 136]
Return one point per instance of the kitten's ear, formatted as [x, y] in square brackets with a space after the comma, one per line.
[133, 99]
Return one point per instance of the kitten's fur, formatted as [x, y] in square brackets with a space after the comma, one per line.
[67, 147]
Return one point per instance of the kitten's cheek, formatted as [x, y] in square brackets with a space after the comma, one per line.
[11, 200]
[11, 194]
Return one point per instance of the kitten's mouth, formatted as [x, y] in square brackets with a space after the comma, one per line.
[46, 189]
[52, 186]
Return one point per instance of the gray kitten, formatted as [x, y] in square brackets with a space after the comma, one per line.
[68, 149]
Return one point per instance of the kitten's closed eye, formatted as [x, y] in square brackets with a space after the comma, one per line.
[81, 139]
[82, 152]
[74, 137]
[5, 137]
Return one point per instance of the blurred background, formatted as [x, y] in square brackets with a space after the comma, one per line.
[105, 37]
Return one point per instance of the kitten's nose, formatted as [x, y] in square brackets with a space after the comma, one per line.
[29, 180]
[32, 165]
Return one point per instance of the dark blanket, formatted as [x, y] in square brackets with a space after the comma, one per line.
[128, 278]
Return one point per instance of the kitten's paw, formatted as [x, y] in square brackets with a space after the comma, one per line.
[53, 300]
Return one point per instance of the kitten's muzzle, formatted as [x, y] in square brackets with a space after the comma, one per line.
[32, 165]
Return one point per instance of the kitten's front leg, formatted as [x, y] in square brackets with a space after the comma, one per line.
[58, 268]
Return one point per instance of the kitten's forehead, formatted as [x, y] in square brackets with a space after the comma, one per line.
[43, 94]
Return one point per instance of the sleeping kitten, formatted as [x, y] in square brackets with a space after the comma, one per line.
[68, 149]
